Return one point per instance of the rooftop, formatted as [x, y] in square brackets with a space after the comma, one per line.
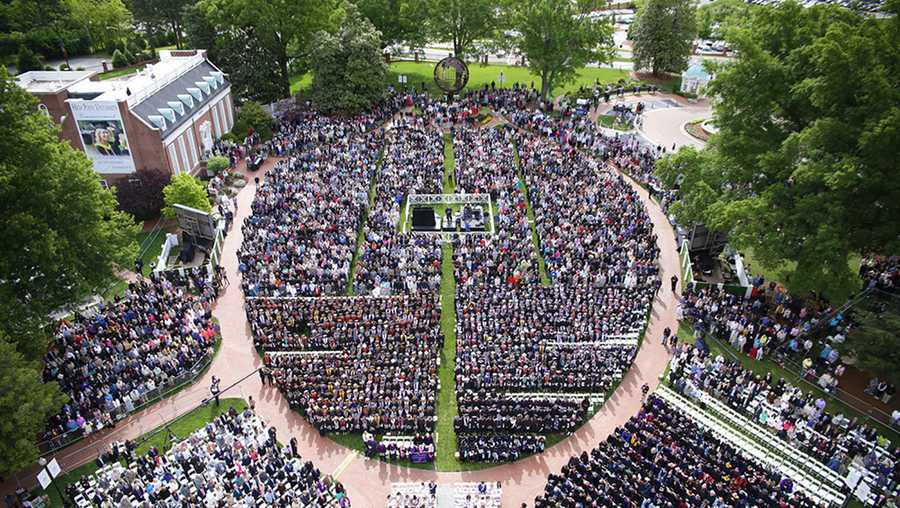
[42, 82]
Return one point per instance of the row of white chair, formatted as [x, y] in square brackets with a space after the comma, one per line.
[801, 459]
[811, 486]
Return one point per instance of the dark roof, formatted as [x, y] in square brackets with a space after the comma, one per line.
[169, 93]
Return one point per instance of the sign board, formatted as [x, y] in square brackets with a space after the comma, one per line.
[53, 467]
[102, 135]
[44, 479]
[197, 223]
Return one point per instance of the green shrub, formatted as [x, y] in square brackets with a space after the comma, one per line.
[217, 163]
[27, 60]
[119, 60]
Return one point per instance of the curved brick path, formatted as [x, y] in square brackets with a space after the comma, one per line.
[368, 481]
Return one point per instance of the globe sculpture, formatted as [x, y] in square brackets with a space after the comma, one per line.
[451, 75]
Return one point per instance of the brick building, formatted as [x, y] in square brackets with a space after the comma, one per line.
[167, 115]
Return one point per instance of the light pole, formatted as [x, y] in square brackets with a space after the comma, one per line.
[50, 476]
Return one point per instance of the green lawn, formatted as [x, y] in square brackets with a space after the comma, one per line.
[181, 427]
[445, 459]
[118, 73]
[611, 122]
[782, 273]
[529, 212]
[480, 75]
[150, 246]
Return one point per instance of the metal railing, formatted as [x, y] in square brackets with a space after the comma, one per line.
[146, 399]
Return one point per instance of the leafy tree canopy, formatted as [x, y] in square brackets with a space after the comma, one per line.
[349, 74]
[253, 117]
[141, 194]
[185, 190]
[804, 167]
[284, 28]
[461, 22]
[663, 34]
[162, 15]
[399, 21]
[60, 230]
[559, 37]
[876, 340]
[26, 402]
[714, 16]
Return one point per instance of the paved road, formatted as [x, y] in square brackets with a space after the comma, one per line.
[666, 126]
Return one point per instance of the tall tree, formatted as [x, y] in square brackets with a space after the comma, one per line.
[875, 341]
[461, 21]
[804, 166]
[199, 30]
[663, 35]
[284, 27]
[26, 402]
[399, 21]
[714, 16]
[107, 21]
[349, 74]
[248, 63]
[185, 190]
[167, 14]
[60, 232]
[558, 37]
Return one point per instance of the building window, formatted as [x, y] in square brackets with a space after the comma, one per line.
[215, 114]
[173, 158]
[104, 183]
[184, 158]
[228, 112]
[193, 144]
[221, 107]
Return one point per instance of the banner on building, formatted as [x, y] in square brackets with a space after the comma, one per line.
[103, 135]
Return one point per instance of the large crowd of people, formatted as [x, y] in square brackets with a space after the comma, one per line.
[301, 237]
[233, 461]
[354, 364]
[515, 335]
[390, 261]
[661, 457]
[124, 353]
[799, 418]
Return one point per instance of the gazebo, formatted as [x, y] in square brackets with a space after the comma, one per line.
[695, 79]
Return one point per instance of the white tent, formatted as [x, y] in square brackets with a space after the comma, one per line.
[695, 79]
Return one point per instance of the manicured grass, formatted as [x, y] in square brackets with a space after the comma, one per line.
[181, 427]
[529, 212]
[782, 273]
[833, 404]
[612, 122]
[481, 75]
[445, 459]
[188, 423]
[150, 246]
[118, 73]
